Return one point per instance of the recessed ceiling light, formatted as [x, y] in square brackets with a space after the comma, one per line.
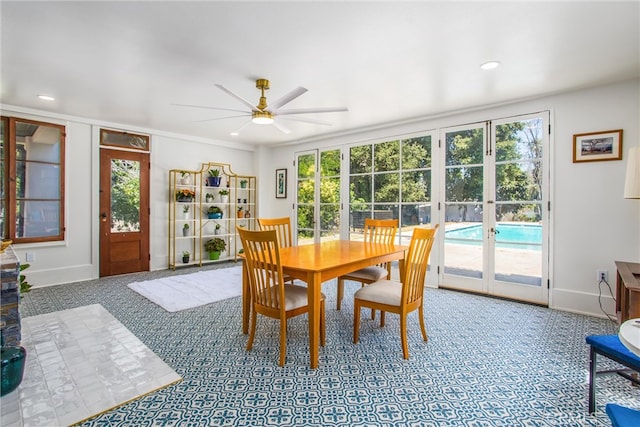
[490, 65]
[46, 97]
[234, 134]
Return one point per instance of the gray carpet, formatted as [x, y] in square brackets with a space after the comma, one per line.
[488, 362]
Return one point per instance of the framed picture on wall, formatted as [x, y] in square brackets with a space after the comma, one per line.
[597, 146]
[281, 183]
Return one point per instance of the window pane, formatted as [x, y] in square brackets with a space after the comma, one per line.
[386, 187]
[330, 163]
[418, 214]
[416, 186]
[306, 166]
[124, 139]
[36, 219]
[464, 147]
[416, 153]
[464, 184]
[125, 195]
[360, 159]
[387, 156]
[360, 190]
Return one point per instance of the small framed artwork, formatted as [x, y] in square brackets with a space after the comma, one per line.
[281, 183]
[597, 146]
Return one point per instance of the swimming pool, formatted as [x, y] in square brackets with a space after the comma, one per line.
[522, 236]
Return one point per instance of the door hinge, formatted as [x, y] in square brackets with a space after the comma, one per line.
[549, 129]
[548, 283]
[438, 270]
[439, 143]
[549, 206]
[438, 205]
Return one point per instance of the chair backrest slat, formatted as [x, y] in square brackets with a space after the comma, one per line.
[262, 256]
[416, 263]
[380, 230]
[282, 227]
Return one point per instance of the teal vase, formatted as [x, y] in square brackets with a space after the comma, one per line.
[13, 360]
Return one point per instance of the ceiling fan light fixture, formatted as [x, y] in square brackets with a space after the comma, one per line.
[262, 117]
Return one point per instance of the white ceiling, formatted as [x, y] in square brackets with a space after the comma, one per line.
[128, 62]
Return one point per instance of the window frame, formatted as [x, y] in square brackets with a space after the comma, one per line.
[10, 200]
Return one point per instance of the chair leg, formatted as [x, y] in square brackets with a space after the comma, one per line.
[592, 380]
[403, 335]
[283, 341]
[252, 329]
[382, 319]
[356, 320]
[422, 327]
[340, 293]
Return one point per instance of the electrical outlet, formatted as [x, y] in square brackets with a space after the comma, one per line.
[30, 256]
[603, 275]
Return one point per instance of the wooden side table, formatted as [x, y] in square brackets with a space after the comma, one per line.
[627, 290]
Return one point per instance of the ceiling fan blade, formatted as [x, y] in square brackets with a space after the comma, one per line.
[306, 120]
[313, 110]
[282, 128]
[237, 131]
[273, 106]
[210, 108]
[221, 118]
[236, 96]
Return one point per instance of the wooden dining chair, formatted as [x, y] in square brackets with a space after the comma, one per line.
[400, 297]
[282, 227]
[270, 296]
[379, 231]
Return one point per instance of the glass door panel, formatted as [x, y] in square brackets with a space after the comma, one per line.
[520, 217]
[330, 194]
[305, 198]
[464, 207]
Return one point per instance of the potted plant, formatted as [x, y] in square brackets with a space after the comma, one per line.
[217, 229]
[214, 212]
[214, 247]
[224, 195]
[243, 183]
[185, 230]
[185, 257]
[240, 213]
[185, 195]
[208, 198]
[185, 211]
[213, 180]
[185, 177]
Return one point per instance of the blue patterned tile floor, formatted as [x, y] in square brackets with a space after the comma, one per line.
[488, 362]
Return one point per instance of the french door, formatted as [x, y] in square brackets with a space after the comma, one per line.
[495, 195]
[317, 196]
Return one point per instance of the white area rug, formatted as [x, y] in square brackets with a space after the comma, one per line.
[80, 363]
[192, 290]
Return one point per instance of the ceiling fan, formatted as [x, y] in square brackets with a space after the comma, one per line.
[265, 112]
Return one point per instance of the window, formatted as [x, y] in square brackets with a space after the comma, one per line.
[391, 179]
[32, 186]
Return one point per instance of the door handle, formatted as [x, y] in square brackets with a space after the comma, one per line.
[103, 217]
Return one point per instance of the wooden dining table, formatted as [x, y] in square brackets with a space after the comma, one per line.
[318, 263]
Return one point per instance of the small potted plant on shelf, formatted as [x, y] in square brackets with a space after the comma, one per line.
[185, 211]
[185, 257]
[185, 195]
[243, 183]
[213, 180]
[185, 230]
[185, 178]
[224, 195]
[214, 212]
[208, 198]
[217, 230]
[214, 247]
[240, 212]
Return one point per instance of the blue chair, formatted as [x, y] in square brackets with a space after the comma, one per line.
[610, 347]
[623, 417]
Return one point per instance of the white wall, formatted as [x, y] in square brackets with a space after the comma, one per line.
[592, 225]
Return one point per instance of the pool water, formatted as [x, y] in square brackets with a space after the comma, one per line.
[523, 236]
